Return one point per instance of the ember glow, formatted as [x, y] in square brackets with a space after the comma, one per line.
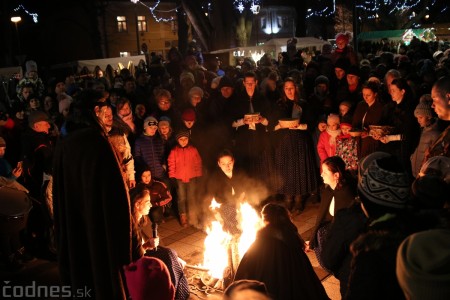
[216, 257]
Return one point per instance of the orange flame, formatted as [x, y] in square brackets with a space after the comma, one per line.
[216, 254]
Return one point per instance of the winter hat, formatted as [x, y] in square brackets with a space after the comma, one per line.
[342, 63]
[343, 36]
[365, 162]
[354, 70]
[188, 115]
[195, 91]
[150, 121]
[187, 75]
[423, 265]
[333, 119]
[364, 62]
[384, 187]
[322, 80]
[225, 81]
[182, 133]
[437, 55]
[149, 278]
[423, 109]
[37, 116]
[344, 124]
[164, 121]
[31, 66]
[63, 104]
[2, 142]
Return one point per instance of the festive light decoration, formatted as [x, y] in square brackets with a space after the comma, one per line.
[33, 15]
[325, 12]
[254, 5]
[153, 9]
[370, 8]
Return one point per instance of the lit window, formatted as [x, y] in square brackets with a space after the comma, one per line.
[121, 24]
[142, 23]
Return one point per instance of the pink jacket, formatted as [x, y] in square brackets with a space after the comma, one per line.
[184, 163]
[324, 149]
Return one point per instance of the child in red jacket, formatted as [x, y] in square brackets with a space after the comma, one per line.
[185, 165]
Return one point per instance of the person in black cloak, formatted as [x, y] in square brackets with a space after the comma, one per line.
[277, 259]
[93, 222]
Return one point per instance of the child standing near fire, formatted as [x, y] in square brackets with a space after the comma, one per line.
[185, 166]
[347, 148]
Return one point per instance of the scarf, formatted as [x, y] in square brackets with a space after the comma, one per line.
[333, 134]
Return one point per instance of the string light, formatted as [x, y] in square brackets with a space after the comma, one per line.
[370, 8]
[33, 15]
[324, 12]
[153, 9]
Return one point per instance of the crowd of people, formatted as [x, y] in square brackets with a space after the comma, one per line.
[366, 135]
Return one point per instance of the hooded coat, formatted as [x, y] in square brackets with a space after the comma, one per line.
[92, 215]
[277, 259]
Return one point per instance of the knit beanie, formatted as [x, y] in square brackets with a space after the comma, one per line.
[333, 119]
[188, 115]
[31, 66]
[37, 116]
[195, 91]
[225, 81]
[149, 278]
[322, 80]
[342, 63]
[383, 186]
[344, 124]
[150, 121]
[182, 133]
[423, 265]
[164, 121]
[423, 109]
[354, 70]
[343, 36]
[187, 75]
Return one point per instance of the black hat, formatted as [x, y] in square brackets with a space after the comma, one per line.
[225, 81]
[182, 133]
[354, 70]
[342, 63]
[37, 116]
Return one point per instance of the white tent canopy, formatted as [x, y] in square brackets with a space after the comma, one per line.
[104, 62]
